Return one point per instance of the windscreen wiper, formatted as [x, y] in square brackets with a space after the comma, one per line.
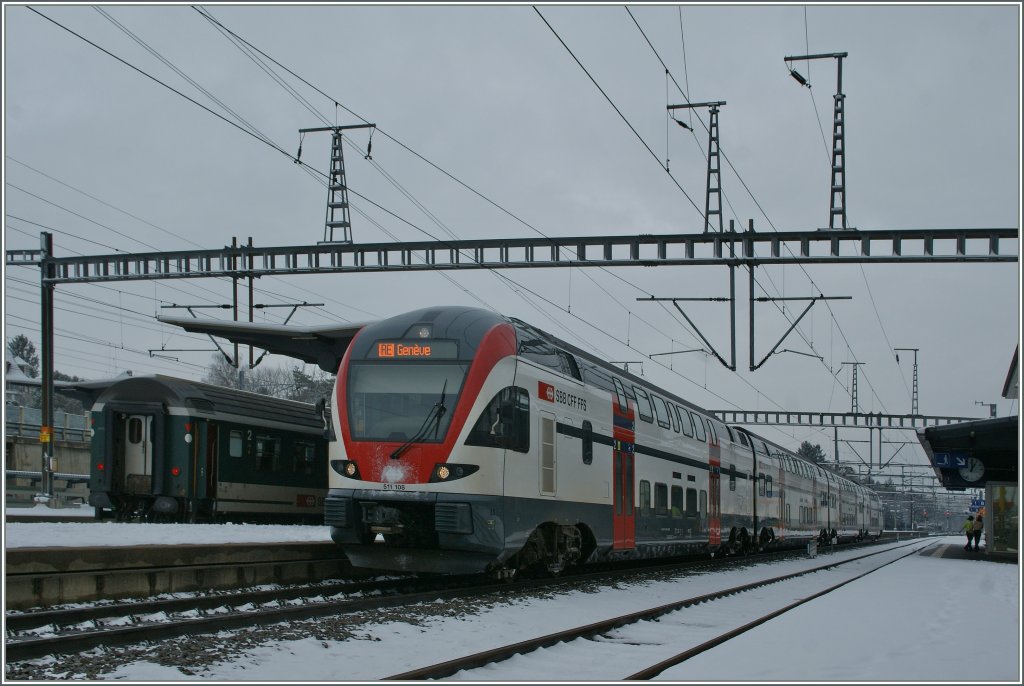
[435, 414]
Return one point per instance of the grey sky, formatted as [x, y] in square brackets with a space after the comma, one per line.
[491, 96]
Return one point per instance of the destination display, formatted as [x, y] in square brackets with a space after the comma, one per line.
[415, 349]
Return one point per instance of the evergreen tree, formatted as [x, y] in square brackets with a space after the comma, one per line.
[812, 452]
[21, 346]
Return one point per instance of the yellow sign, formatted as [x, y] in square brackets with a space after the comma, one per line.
[44, 434]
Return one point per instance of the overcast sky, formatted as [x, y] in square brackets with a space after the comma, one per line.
[491, 96]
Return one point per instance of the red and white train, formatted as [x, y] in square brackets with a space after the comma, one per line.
[472, 442]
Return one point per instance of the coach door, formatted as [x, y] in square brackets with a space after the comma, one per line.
[209, 471]
[623, 473]
[138, 453]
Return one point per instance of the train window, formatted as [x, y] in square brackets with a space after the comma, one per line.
[660, 411]
[620, 395]
[743, 439]
[703, 505]
[685, 421]
[135, 430]
[645, 497]
[268, 452]
[677, 501]
[691, 502]
[588, 442]
[789, 516]
[711, 432]
[763, 446]
[732, 477]
[235, 444]
[673, 415]
[698, 425]
[568, 366]
[643, 404]
[539, 351]
[660, 499]
[391, 401]
[505, 422]
[760, 483]
[303, 457]
[768, 486]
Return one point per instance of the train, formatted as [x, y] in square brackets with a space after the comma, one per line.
[471, 442]
[172, 450]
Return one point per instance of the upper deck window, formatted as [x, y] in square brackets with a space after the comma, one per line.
[643, 404]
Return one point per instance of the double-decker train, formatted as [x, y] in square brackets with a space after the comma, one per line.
[168, 449]
[472, 442]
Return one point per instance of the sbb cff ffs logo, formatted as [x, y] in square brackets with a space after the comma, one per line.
[546, 391]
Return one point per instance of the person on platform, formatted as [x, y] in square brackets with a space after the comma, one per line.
[979, 526]
[968, 528]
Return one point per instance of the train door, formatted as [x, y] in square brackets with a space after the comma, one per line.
[548, 470]
[209, 465]
[714, 488]
[137, 432]
[623, 472]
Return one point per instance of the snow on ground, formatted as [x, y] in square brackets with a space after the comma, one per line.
[923, 619]
[92, 533]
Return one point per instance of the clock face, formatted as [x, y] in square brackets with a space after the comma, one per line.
[974, 470]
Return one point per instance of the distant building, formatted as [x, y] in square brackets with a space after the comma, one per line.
[15, 375]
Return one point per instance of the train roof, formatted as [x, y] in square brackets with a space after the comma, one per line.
[208, 400]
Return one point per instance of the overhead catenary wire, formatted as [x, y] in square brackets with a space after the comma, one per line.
[208, 16]
[764, 214]
[691, 200]
[619, 112]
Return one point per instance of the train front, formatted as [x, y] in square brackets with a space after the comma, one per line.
[423, 412]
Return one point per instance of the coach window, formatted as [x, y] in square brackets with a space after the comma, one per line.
[698, 425]
[691, 502]
[677, 501]
[645, 497]
[743, 439]
[660, 499]
[268, 452]
[302, 457]
[643, 404]
[732, 477]
[702, 506]
[235, 444]
[760, 483]
[768, 486]
[661, 411]
[588, 442]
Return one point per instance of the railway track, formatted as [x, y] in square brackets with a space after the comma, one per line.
[619, 625]
[75, 629]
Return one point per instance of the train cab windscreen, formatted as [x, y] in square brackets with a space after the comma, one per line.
[403, 401]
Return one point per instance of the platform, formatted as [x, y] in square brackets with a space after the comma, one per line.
[955, 551]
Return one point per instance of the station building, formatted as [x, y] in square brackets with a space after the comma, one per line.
[984, 454]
